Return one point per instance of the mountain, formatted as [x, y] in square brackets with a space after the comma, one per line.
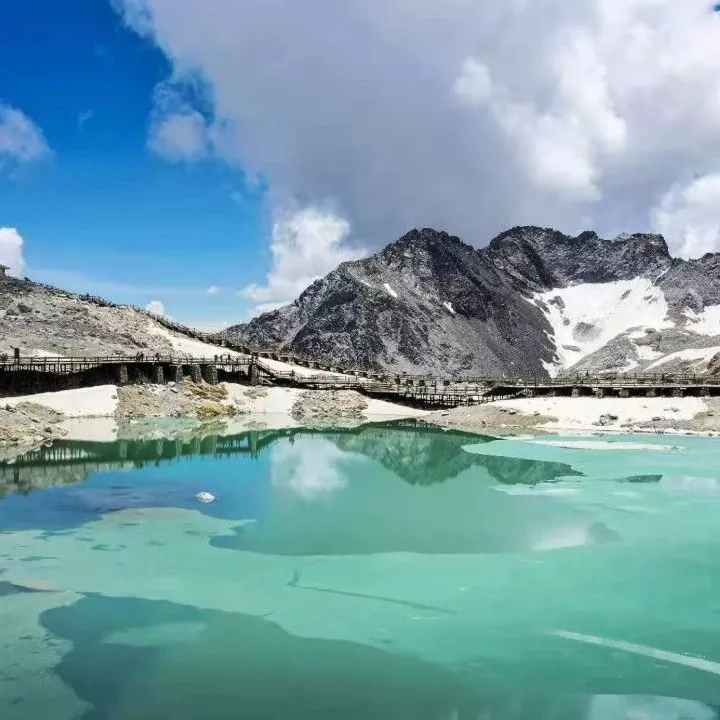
[45, 321]
[533, 302]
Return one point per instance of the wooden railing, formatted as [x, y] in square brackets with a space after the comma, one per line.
[431, 383]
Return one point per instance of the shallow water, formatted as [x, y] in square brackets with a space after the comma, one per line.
[394, 571]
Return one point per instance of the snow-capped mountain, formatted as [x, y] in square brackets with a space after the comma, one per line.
[533, 302]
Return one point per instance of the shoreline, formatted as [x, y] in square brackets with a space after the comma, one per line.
[561, 415]
[106, 413]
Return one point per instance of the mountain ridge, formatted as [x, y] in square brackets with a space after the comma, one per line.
[430, 302]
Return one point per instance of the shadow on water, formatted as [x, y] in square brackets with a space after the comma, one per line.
[233, 665]
[136, 659]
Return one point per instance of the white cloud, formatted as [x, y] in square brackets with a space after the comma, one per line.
[689, 216]
[178, 133]
[306, 244]
[156, 307]
[465, 115]
[21, 140]
[213, 290]
[11, 250]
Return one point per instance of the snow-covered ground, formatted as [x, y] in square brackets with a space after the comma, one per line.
[189, 347]
[582, 413]
[100, 401]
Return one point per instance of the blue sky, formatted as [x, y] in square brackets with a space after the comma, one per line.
[364, 119]
[104, 214]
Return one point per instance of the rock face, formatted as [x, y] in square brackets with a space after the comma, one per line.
[534, 302]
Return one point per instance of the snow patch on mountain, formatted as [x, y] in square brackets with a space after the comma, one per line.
[390, 291]
[586, 316]
[697, 358]
[647, 354]
[706, 322]
[448, 306]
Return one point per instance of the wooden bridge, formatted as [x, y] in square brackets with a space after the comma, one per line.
[28, 375]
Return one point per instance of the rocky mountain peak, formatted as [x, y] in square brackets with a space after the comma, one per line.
[431, 303]
[650, 246]
[541, 258]
[416, 242]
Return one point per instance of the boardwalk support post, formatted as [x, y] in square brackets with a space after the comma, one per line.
[123, 377]
[210, 374]
[195, 374]
[254, 372]
[678, 393]
[158, 375]
[176, 373]
[624, 393]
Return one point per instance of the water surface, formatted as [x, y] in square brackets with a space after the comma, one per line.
[393, 571]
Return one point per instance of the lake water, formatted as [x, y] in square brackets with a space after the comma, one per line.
[395, 572]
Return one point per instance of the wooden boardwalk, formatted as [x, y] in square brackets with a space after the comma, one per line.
[27, 375]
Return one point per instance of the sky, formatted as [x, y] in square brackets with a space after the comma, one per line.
[211, 158]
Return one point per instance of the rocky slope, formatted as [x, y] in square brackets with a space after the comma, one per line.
[533, 302]
[43, 321]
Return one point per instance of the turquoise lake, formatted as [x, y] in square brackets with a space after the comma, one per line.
[395, 571]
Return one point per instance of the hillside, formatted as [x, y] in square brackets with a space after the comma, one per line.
[533, 302]
[45, 321]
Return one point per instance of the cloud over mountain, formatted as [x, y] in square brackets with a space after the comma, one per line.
[471, 115]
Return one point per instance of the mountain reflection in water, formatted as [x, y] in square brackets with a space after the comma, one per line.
[420, 454]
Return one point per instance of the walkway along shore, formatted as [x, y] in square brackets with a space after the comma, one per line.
[28, 375]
